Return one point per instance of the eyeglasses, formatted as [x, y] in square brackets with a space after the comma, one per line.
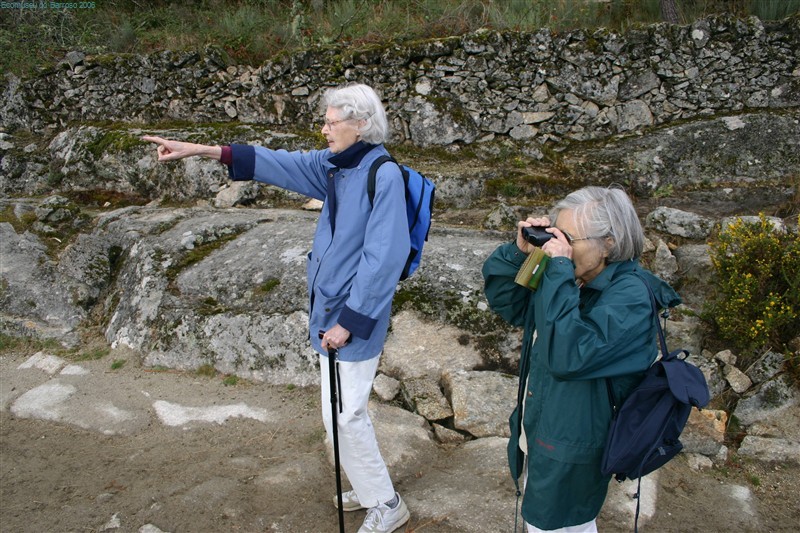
[332, 123]
[571, 239]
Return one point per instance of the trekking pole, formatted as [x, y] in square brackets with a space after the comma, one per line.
[332, 354]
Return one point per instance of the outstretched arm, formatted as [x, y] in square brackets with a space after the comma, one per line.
[169, 150]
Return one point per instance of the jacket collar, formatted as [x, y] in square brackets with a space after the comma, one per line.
[352, 156]
[611, 270]
[664, 294]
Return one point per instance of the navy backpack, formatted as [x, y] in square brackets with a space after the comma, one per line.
[645, 430]
[419, 208]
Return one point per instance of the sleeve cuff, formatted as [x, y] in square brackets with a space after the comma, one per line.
[226, 158]
[513, 254]
[358, 325]
[243, 162]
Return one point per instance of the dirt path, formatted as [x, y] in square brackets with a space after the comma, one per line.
[273, 475]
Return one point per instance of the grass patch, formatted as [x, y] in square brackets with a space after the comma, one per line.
[113, 141]
[207, 371]
[664, 191]
[55, 235]
[103, 198]
[21, 224]
[209, 306]
[117, 364]
[91, 354]
[90, 351]
[251, 31]
[12, 343]
[230, 381]
[197, 254]
[268, 286]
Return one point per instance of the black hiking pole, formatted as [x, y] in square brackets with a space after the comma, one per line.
[332, 353]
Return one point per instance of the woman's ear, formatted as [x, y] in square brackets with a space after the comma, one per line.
[608, 243]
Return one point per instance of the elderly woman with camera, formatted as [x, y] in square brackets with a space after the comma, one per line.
[589, 319]
[359, 250]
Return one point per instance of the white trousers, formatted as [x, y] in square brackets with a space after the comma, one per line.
[588, 527]
[359, 455]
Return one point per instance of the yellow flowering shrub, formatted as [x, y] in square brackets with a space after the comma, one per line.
[757, 300]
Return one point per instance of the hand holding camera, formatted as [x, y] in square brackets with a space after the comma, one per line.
[536, 235]
[531, 237]
[528, 226]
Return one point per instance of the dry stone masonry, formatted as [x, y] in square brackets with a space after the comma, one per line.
[538, 86]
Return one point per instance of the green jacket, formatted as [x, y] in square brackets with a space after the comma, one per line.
[605, 329]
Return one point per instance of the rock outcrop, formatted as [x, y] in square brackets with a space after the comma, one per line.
[224, 289]
[194, 272]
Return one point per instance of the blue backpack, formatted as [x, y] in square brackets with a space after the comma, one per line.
[419, 208]
[645, 430]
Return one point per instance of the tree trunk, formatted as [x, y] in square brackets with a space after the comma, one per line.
[669, 11]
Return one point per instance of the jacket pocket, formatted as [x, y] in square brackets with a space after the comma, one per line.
[327, 308]
[571, 427]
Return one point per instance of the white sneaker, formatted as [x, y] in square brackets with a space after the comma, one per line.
[383, 519]
[349, 501]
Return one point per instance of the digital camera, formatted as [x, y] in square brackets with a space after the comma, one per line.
[536, 235]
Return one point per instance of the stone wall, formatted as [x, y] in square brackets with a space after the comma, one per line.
[531, 87]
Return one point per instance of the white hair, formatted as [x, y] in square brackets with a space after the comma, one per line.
[361, 102]
[607, 216]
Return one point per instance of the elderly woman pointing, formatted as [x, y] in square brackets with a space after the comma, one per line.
[592, 319]
[359, 250]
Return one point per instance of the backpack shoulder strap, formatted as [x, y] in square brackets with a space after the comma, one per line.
[662, 341]
[661, 338]
[373, 172]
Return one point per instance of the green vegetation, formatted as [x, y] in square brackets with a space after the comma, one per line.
[117, 364]
[210, 306]
[250, 31]
[505, 186]
[487, 329]
[104, 198]
[30, 345]
[664, 191]
[21, 224]
[757, 300]
[267, 286]
[199, 253]
[113, 140]
[55, 232]
[10, 343]
[207, 370]
[230, 381]
[92, 353]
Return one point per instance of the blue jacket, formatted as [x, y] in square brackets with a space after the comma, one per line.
[583, 336]
[354, 266]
